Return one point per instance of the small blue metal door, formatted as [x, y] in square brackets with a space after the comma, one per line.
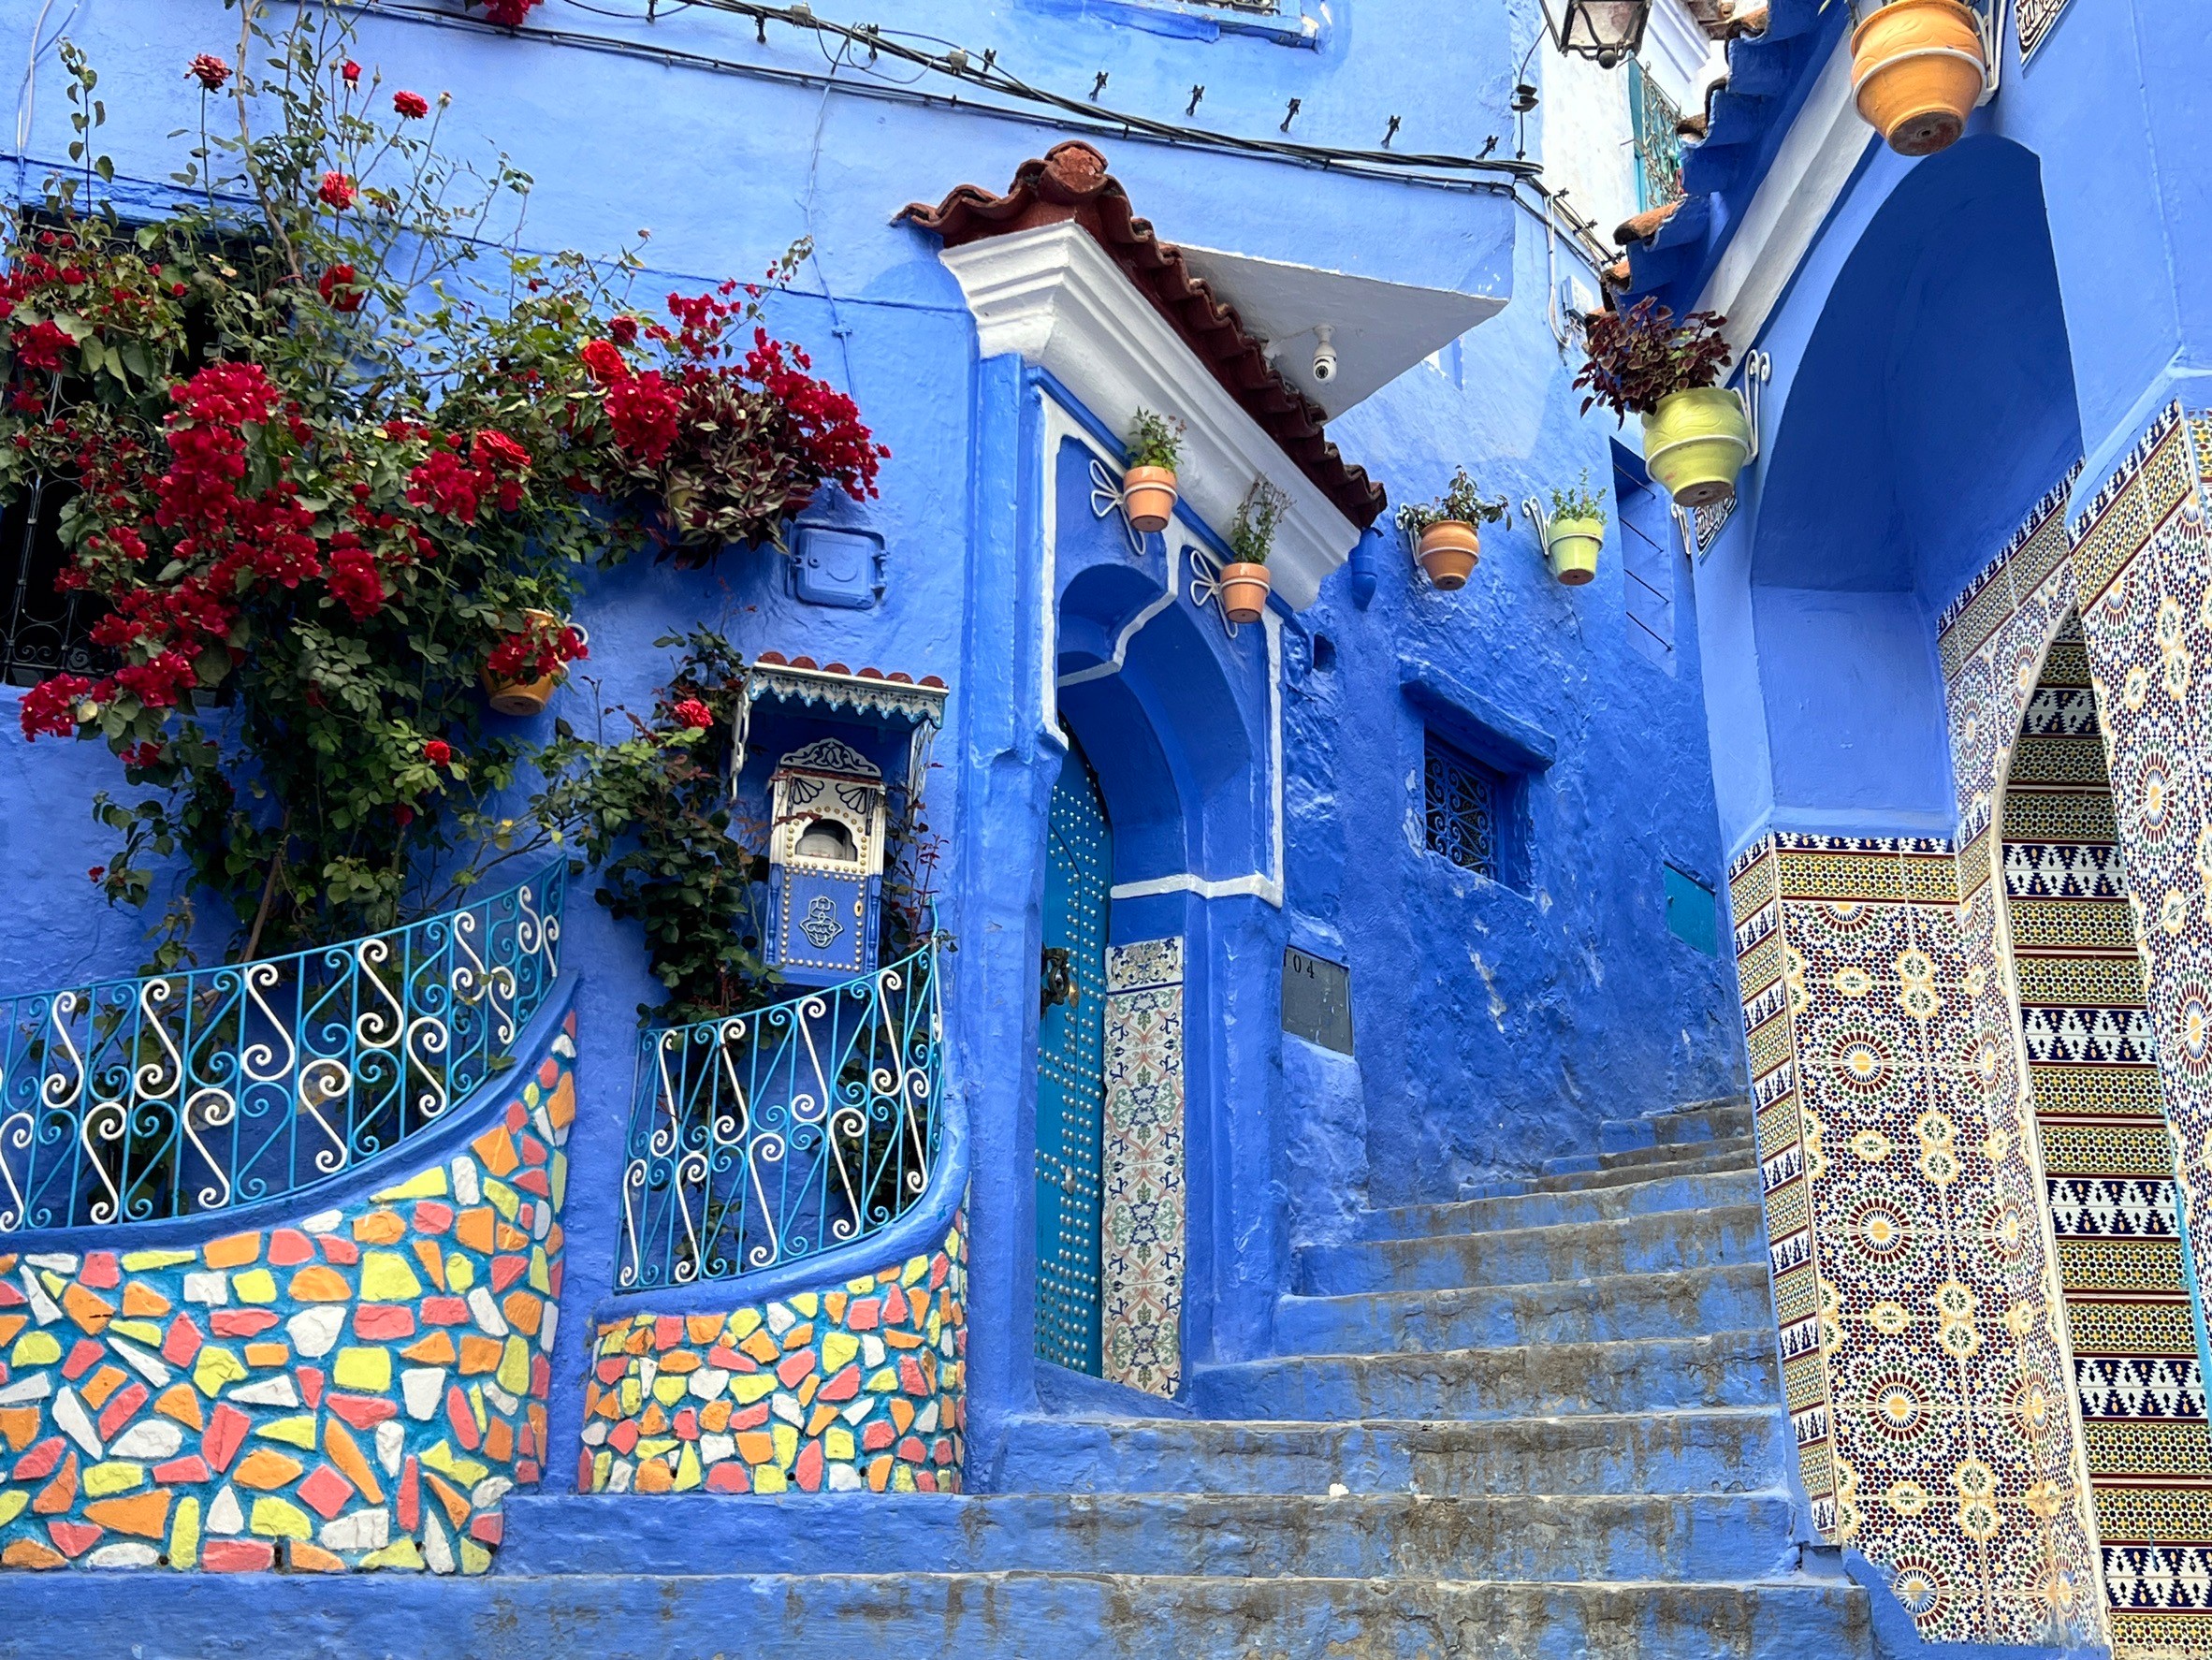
[1071, 1068]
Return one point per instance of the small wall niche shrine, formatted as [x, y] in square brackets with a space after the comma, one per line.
[832, 763]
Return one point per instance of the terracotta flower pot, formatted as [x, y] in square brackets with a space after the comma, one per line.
[524, 697]
[1695, 443]
[1571, 547]
[1244, 591]
[1916, 70]
[1148, 496]
[1449, 551]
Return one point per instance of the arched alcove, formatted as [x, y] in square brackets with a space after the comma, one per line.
[1933, 402]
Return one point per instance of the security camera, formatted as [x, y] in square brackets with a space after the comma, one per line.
[1325, 355]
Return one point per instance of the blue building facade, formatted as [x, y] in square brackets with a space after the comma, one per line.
[1268, 953]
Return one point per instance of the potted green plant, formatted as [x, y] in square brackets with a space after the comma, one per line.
[1647, 362]
[1443, 535]
[1148, 487]
[1245, 581]
[1575, 532]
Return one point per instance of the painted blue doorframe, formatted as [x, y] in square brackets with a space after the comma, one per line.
[1071, 1068]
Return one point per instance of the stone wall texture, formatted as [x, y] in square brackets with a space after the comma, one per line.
[359, 1387]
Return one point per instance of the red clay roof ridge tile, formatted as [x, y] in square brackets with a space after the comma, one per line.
[1071, 182]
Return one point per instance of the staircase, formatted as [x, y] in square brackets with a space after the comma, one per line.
[1542, 1422]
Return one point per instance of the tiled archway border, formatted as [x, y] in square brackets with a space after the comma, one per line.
[1902, 1190]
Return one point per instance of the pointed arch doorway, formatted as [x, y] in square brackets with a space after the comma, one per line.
[2134, 1330]
[1071, 1068]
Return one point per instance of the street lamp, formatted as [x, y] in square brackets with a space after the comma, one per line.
[1605, 30]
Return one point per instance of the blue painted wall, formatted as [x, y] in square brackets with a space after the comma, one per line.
[1963, 328]
[1496, 1024]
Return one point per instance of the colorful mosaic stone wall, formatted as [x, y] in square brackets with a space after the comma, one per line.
[1142, 1237]
[857, 1387]
[360, 1389]
[2108, 1162]
[2065, 1427]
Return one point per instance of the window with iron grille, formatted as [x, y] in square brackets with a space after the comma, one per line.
[1658, 143]
[1460, 799]
[42, 631]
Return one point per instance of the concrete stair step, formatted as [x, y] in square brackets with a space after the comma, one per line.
[908, 1611]
[1698, 1190]
[1717, 1298]
[1730, 1115]
[1657, 1161]
[1715, 1369]
[1720, 1450]
[1255, 1536]
[1657, 1242]
[1743, 1158]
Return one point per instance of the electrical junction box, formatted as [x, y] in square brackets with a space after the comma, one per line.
[835, 565]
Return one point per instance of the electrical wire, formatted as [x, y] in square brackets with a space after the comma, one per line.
[1499, 176]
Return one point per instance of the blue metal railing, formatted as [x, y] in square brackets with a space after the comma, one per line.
[174, 1094]
[772, 1136]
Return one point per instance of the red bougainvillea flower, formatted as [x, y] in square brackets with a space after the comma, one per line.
[509, 13]
[352, 71]
[338, 191]
[41, 345]
[50, 708]
[414, 106]
[210, 71]
[695, 714]
[438, 753]
[603, 363]
[339, 288]
[643, 410]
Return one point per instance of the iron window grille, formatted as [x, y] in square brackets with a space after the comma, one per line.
[1459, 800]
[1655, 121]
[43, 631]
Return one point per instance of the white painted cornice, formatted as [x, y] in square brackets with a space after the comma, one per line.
[1815, 161]
[1054, 296]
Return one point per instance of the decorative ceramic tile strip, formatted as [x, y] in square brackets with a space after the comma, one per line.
[1926, 1420]
[2109, 1172]
[860, 1386]
[1142, 1226]
[1993, 593]
[2034, 20]
[2118, 521]
[360, 1389]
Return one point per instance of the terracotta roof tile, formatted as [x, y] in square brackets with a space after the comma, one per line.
[1071, 182]
[1645, 225]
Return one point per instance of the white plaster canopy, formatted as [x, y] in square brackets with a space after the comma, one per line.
[1055, 296]
[1379, 328]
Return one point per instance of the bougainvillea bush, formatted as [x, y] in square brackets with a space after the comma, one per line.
[335, 456]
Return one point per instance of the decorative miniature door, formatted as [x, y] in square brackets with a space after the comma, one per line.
[1071, 1069]
[825, 863]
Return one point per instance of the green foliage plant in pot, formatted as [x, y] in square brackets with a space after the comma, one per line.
[1446, 541]
[1148, 487]
[1575, 532]
[1245, 580]
[1647, 362]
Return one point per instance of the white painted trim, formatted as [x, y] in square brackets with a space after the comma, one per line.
[1678, 57]
[1055, 296]
[1102, 671]
[1817, 158]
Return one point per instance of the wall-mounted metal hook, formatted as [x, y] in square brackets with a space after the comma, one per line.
[1196, 93]
[1391, 132]
[1758, 368]
[1098, 86]
[1289, 116]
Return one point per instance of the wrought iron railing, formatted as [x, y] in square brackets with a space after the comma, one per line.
[173, 1095]
[768, 1137]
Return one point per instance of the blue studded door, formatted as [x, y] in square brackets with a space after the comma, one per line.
[1071, 1068]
